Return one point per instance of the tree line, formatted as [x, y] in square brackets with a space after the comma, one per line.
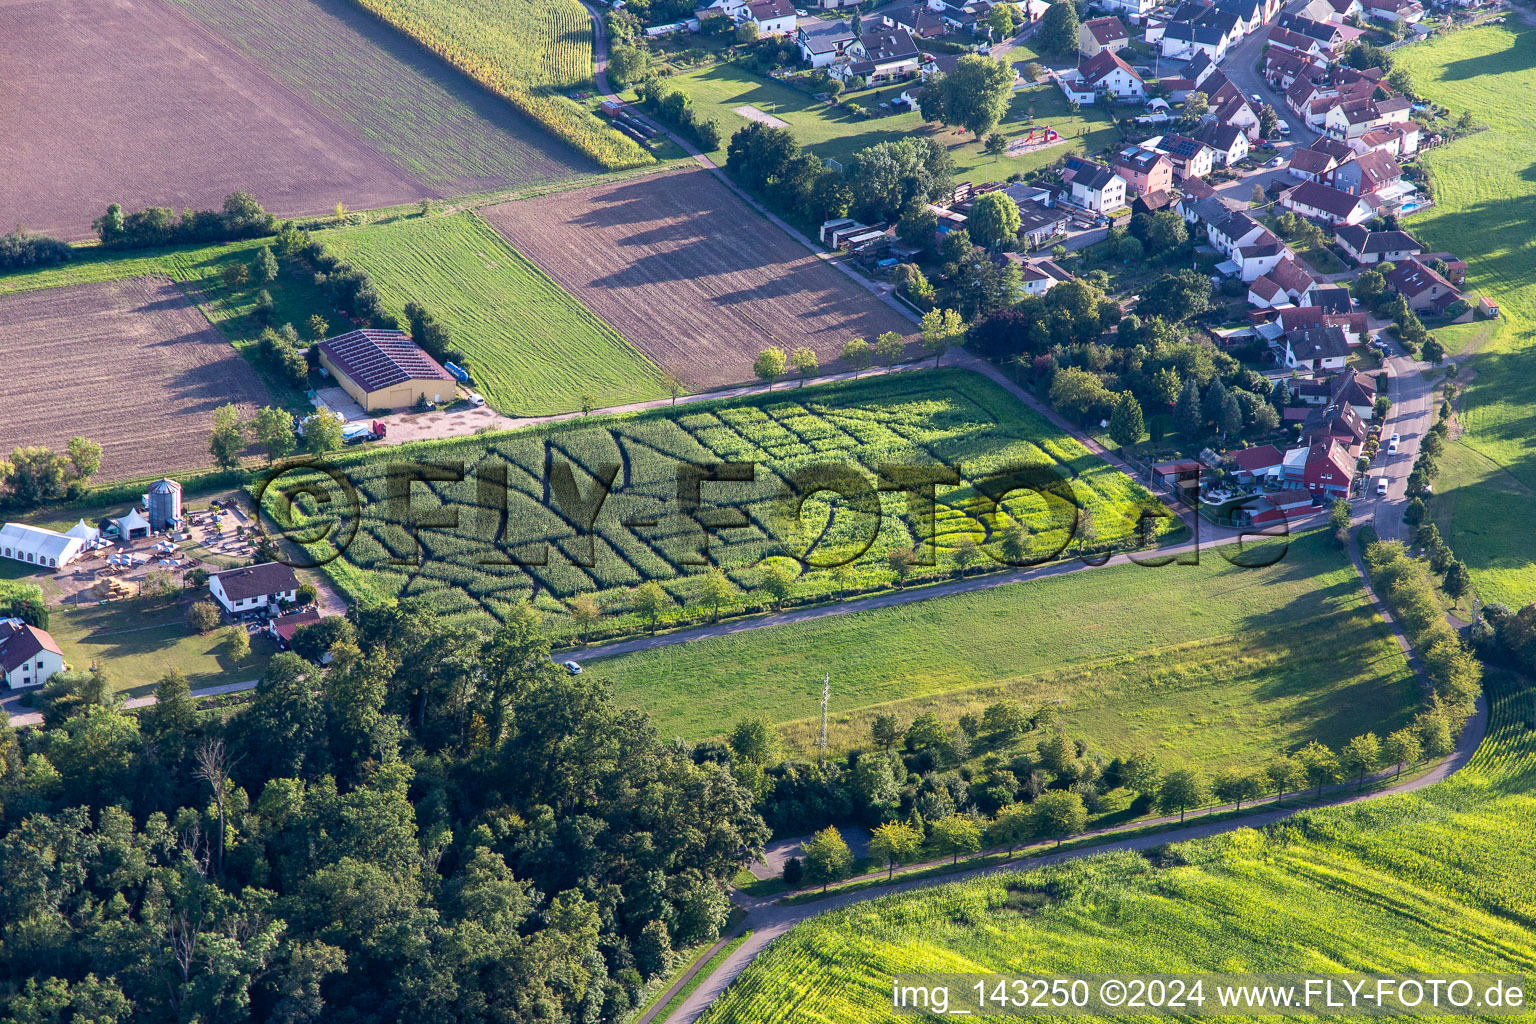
[442, 825]
[240, 217]
[21, 250]
[34, 474]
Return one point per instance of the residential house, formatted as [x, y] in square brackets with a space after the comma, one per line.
[1038, 224]
[1290, 275]
[29, 656]
[1367, 173]
[282, 628]
[1352, 118]
[1311, 317]
[1311, 199]
[1284, 67]
[1182, 40]
[822, 43]
[1250, 14]
[1135, 10]
[1310, 165]
[1264, 293]
[1040, 276]
[1256, 257]
[253, 588]
[1451, 268]
[1421, 286]
[1409, 12]
[1098, 188]
[1229, 143]
[1200, 69]
[886, 55]
[1332, 299]
[1318, 349]
[772, 17]
[1099, 34]
[1330, 469]
[920, 21]
[1146, 171]
[1366, 246]
[1343, 10]
[1153, 202]
[1108, 75]
[1336, 422]
[1284, 40]
[1355, 390]
[1191, 158]
[1250, 465]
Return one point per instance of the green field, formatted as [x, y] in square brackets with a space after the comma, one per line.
[1207, 663]
[533, 347]
[198, 268]
[834, 133]
[531, 54]
[1485, 191]
[1437, 881]
[139, 640]
[642, 530]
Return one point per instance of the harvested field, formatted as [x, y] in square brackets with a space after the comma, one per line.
[139, 103]
[696, 279]
[131, 364]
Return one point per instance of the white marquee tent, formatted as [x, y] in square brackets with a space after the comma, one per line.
[36, 546]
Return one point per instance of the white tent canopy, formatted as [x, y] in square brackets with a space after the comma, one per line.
[131, 523]
[84, 532]
[36, 546]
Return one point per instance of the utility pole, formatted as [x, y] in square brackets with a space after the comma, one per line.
[826, 695]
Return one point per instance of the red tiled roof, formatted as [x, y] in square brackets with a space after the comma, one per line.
[21, 642]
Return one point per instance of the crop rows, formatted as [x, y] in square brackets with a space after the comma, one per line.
[643, 532]
[1435, 880]
[530, 54]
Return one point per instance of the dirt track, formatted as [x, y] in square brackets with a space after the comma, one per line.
[697, 280]
[133, 102]
[132, 365]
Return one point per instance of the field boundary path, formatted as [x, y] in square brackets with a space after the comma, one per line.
[771, 918]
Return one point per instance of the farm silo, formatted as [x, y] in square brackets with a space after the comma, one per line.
[164, 502]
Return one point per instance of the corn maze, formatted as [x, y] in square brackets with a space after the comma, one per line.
[529, 54]
[601, 506]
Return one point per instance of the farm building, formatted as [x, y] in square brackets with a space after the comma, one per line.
[36, 546]
[254, 588]
[28, 655]
[384, 370]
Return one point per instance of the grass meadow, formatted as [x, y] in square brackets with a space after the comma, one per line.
[1435, 881]
[533, 347]
[1485, 188]
[139, 640]
[1210, 663]
[836, 134]
[555, 541]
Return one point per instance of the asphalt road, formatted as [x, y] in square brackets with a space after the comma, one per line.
[1411, 416]
[1241, 67]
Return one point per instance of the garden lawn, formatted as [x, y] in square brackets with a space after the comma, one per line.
[139, 640]
[198, 269]
[1432, 882]
[1207, 663]
[544, 550]
[533, 348]
[832, 132]
[1485, 191]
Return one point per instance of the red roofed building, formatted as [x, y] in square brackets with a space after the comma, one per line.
[384, 370]
[1099, 34]
[28, 655]
[1249, 463]
[1421, 286]
[1330, 469]
[1281, 506]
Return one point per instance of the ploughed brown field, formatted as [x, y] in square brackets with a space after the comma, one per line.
[133, 365]
[697, 280]
[303, 103]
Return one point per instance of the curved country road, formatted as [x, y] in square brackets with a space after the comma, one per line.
[768, 918]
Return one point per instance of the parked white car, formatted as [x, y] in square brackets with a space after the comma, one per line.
[1381, 487]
